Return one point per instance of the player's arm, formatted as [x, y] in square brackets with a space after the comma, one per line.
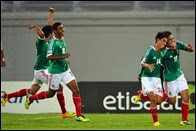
[50, 19]
[37, 29]
[190, 47]
[53, 57]
[149, 66]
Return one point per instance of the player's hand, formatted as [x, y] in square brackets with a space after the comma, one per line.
[190, 47]
[31, 26]
[151, 67]
[51, 10]
[67, 55]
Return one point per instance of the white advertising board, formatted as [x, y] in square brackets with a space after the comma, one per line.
[51, 105]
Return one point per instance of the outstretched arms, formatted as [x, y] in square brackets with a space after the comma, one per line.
[50, 19]
[37, 29]
[190, 47]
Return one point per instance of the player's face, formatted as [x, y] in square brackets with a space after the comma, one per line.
[60, 30]
[162, 42]
[171, 44]
[170, 39]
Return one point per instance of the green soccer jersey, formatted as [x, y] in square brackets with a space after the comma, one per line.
[41, 48]
[171, 62]
[57, 48]
[151, 56]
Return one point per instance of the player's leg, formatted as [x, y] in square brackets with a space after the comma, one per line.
[43, 76]
[72, 84]
[170, 91]
[20, 93]
[149, 89]
[153, 108]
[182, 88]
[77, 101]
[33, 90]
[39, 96]
[61, 100]
[185, 107]
[54, 82]
[140, 96]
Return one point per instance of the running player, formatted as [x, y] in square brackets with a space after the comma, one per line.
[59, 70]
[174, 81]
[41, 67]
[150, 75]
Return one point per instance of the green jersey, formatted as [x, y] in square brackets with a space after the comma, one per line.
[41, 48]
[151, 56]
[171, 62]
[57, 48]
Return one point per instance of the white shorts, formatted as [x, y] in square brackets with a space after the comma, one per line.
[40, 77]
[55, 79]
[174, 87]
[151, 84]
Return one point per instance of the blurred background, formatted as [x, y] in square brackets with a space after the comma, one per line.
[106, 39]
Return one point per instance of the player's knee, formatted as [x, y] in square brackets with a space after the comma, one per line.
[50, 94]
[153, 99]
[172, 101]
[76, 92]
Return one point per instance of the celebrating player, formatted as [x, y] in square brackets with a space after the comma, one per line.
[150, 75]
[59, 70]
[174, 81]
[41, 67]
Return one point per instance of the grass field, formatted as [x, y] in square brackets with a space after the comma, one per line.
[169, 121]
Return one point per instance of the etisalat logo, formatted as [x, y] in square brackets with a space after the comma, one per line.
[191, 96]
[111, 102]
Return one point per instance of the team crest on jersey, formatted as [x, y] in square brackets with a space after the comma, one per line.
[154, 57]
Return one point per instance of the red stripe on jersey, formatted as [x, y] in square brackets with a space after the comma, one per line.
[44, 74]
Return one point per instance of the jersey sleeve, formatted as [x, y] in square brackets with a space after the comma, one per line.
[50, 47]
[146, 56]
[181, 46]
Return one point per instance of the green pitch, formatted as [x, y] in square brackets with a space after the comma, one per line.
[168, 121]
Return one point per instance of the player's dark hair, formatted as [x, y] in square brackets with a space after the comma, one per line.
[168, 33]
[47, 30]
[55, 25]
[160, 35]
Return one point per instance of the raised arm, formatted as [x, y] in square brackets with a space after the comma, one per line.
[37, 29]
[190, 47]
[50, 19]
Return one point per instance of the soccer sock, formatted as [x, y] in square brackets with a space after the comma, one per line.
[144, 97]
[61, 101]
[78, 105]
[185, 110]
[41, 95]
[153, 111]
[164, 97]
[19, 93]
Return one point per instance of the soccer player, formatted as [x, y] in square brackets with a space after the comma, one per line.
[41, 67]
[174, 81]
[59, 70]
[150, 75]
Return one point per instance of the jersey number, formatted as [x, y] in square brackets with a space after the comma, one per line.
[63, 50]
[158, 61]
[175, 58]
